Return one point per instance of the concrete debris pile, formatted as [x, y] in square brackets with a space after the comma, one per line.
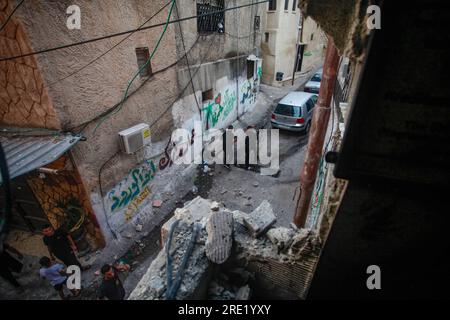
[236, 255]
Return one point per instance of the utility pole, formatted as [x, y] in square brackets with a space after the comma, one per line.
[317, 134]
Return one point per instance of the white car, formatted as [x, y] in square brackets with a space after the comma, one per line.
[313, 85]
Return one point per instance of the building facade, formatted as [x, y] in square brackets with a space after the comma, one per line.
[205, 68]
[291, 45]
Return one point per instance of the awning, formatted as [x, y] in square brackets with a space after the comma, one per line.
[25, 153]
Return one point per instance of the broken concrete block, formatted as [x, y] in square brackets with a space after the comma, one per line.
[281, 237]
[139, 227]
[215, 206]
[220, 236]
[193, 211]
[157, 203]
[260, 219]
[195, 277]
[299, 241]
[243, 293]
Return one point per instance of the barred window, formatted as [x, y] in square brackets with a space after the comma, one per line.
[272, 5]
[142, 56]
[212, 22]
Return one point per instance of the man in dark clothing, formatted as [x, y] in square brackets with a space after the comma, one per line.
[61, 245]
[224, 146]
[111, 287]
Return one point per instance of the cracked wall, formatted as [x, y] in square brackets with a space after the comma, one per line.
[24, 102]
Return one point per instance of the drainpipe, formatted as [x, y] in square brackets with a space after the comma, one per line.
[317, 134]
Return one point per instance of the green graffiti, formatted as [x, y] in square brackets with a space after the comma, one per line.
[141, 177]
[259, 72]
[219, 108]
[229, 101]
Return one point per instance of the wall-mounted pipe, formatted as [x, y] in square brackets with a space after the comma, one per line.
[317, 134]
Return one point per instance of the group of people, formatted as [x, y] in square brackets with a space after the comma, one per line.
[246, 164]
[60, 246]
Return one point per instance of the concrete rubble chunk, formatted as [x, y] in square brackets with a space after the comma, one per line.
[281, 237]
[220, 236]
[153, 284]
[260, 219]
[299, 241]
[215, 206]
[243, 293]
[196, 210]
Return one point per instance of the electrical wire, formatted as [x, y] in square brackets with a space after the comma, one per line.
[109, 50]
[126, 32]
[187, 61]
[10, 15]
[125, 96]
[107, 111]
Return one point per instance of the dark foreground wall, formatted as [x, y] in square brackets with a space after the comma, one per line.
[396, 154]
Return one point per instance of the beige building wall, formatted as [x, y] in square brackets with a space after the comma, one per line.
[279, 42]
[101, 85]
[315, 42]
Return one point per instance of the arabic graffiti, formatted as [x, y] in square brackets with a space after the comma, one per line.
[132, 186]
[248, 90]
[219, 108]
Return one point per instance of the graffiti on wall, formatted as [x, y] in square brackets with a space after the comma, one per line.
[219, 108]
[248, 91]
[133, 190]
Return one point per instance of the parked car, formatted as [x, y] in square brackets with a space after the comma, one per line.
[294, 111]
[313, 85]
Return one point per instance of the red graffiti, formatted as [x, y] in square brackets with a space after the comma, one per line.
[218, 99]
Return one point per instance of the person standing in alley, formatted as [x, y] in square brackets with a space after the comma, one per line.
[56, 274]
[224, 146]
[111, 287]
[61, 245]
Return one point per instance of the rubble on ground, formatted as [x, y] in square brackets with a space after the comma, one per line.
[235, 255]
[219, 229]
[260, 219]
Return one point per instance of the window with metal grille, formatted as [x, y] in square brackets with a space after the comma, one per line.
[257, 22]
[142, 55]
[272, 5]
[209, 20]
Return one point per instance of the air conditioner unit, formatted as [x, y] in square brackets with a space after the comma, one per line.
[134, 138]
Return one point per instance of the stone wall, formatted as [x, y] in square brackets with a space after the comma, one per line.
[24, 101]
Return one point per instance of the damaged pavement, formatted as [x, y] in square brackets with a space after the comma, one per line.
[211, 252]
